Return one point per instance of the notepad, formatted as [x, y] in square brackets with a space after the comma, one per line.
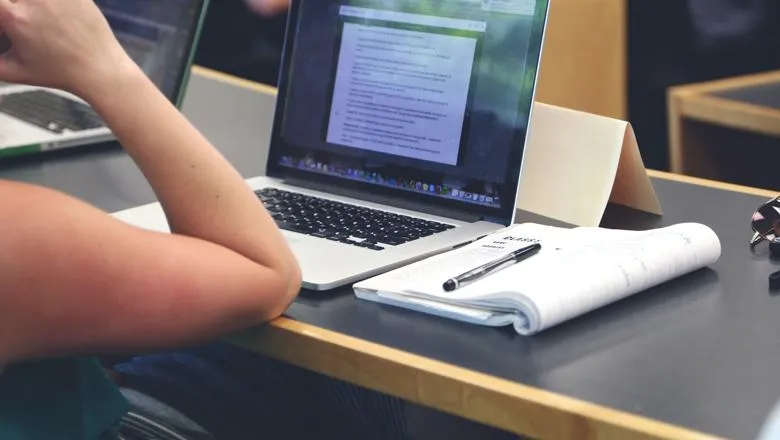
[577, 271]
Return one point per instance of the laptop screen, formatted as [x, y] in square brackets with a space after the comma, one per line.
[425, 99]
[159, 35]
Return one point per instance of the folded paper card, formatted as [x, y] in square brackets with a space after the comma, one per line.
[578, 270]
[576, 163]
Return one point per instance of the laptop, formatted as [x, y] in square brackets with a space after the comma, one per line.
[160, 35]
[399, 130]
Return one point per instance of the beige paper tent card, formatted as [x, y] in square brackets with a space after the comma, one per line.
[577, 163]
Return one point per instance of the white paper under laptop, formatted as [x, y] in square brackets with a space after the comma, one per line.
[399, 130]
[159, 35]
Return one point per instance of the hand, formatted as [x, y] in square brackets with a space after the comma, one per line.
[268, 7]
[64, 44]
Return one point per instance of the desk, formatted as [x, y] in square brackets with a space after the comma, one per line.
[700, 354]
[726, 129]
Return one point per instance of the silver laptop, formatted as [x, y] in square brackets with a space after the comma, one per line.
[399, 130]
[159, 35]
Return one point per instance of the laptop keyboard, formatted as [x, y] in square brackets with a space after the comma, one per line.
[50, 111]
[355, 225]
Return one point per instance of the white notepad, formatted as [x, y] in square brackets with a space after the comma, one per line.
[578, 270]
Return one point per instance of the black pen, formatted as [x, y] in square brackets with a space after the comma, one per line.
[475, 274]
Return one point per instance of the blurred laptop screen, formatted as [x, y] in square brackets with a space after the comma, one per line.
[157, 34]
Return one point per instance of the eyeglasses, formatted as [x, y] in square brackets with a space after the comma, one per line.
[766, 222]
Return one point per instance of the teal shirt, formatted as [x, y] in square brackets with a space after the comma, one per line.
[69, 399]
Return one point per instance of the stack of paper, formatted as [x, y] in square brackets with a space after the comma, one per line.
[577, 270]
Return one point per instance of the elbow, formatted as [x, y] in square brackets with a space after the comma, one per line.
[266, 296]
[286, 290]
[294, 282]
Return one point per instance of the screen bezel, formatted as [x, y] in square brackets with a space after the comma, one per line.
[505, 214]
[185, 71]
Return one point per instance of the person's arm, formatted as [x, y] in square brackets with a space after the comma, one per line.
[202, 194]
[74, 280]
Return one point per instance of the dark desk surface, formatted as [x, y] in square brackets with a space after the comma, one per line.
[764, 95]
[759, 89]
[702, 352]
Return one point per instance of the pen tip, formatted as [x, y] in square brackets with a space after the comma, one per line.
[450, 285]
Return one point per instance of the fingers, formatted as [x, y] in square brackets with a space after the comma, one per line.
[6, 12]
[268, 7]
[7, 66]
[9, 70]
[5, 44]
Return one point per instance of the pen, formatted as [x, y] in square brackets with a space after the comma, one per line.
[486, 269]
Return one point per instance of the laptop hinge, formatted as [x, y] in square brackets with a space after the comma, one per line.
[396, 202]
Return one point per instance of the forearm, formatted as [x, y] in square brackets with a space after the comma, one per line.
[202, 194]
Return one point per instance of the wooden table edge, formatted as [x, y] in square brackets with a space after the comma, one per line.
[726, 112]
[724, 186]
[716, 85]
[234, 80]
[476, 396]
[496, 402]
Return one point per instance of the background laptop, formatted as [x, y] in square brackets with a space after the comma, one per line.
[160, 35]
[399, 130]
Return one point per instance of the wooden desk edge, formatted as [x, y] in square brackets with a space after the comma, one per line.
[696, 102]
[496, 402]
[725, 112]
[724, 186]
[728, 83]
[234, 80]
[493, 401]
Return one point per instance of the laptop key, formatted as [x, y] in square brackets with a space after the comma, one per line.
[292, 227]
[50, 111]
[355, 225]
[392, 241]
[322, 233]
